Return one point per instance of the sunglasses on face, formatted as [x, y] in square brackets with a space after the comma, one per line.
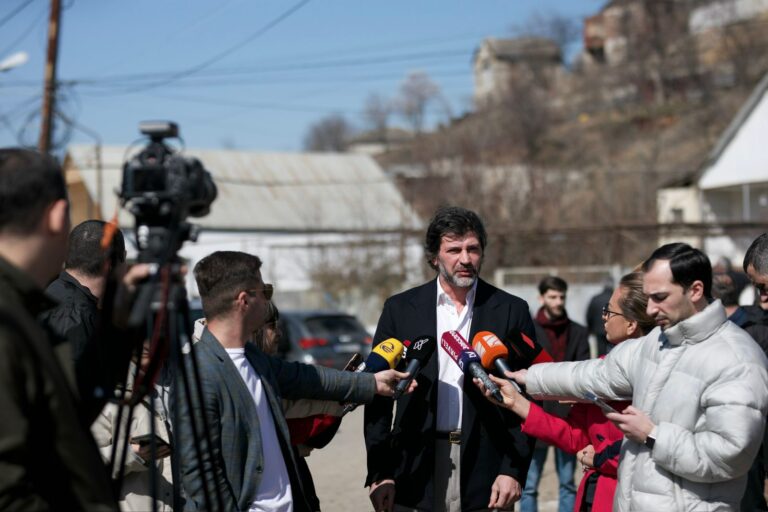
[267, 290]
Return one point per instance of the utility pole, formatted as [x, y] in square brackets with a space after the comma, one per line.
[49, 90]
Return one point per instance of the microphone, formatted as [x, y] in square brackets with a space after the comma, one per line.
[384, 356]
[419, 351]
[493, 353]
[468, 360]
[527, 351]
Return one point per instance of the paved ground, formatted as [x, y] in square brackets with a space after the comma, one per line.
[339, 472]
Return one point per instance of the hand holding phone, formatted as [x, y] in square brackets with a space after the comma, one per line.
[144, 449]
[600, 403]
[146, 439]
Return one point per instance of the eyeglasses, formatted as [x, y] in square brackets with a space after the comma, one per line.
[267, 290]
[607, 313]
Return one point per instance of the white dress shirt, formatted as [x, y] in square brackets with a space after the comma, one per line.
[450, 392]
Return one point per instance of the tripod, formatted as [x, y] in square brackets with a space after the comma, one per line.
[162, 311]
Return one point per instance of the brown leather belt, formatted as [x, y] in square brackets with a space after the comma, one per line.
[453, 437]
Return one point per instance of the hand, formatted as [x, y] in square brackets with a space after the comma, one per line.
[145, 451]
[382, 495]
[387, 380]
[635, 424]
[519, 376]
[513, 400]
[135, 275]
[505, 491]
[586, 457]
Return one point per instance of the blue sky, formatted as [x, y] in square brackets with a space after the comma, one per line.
[233, 72]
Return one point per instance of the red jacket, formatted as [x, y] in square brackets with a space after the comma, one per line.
[586, 424]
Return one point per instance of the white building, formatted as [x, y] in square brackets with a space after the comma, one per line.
[731, 192]
[303, 214]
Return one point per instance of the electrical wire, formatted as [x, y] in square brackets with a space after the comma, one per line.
[13, 13]
[199, 67]
[26, 32]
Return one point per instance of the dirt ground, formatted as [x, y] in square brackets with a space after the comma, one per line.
[339, 472]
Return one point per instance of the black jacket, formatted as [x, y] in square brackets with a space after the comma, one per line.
[100, 352]
[491, 440]
[48, 459]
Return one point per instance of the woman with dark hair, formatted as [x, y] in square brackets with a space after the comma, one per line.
[586, 431]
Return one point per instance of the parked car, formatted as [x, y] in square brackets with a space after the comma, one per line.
[327, 338]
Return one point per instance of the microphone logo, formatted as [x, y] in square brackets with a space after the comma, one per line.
[419, 344]
[387, 347]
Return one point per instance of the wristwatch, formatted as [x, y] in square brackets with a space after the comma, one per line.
[649, 441]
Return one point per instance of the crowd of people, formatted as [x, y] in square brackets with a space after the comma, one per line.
[671, 416]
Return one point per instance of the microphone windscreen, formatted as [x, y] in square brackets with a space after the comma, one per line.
[489, 347]
[458, 349]
[527, 350]
[451, 341]
[390, 350]
[421, 349]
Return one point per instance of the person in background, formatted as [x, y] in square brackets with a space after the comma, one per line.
[595, 324]
[76, 319]
[755, 322]
[586, 431]
[565, 340]
[135, 492]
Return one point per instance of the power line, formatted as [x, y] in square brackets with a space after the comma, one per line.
[196, 69]
[27, 31]
[15, 12]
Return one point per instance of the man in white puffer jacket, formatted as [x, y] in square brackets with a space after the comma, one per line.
[699, 389]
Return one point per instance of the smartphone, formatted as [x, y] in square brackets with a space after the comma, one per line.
[146, 439]
[600, 403]
[353, 362]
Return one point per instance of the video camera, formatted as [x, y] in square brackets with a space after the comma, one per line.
[161, 189]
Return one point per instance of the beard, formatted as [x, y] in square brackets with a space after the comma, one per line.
[459, 281]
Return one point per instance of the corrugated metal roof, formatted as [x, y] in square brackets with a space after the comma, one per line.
[271, 191]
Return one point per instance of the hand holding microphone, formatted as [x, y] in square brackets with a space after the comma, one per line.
[418, 352]
[468, 360]
[384, 356]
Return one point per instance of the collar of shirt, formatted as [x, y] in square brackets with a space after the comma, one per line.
[444, 299]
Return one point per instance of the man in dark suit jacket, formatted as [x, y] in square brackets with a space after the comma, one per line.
[481, 462]
[249, 462]
[565, 340]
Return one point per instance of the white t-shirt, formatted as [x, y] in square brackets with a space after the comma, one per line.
[450, 385]
[274, 494]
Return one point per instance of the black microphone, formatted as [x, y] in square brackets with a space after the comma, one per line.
[418, 352]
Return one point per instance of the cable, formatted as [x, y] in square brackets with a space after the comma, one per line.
[15, 12]
[27, 31]
[260, 32]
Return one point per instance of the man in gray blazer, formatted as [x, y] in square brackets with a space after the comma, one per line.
[249, 464]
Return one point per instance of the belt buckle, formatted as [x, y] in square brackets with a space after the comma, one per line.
[454, 437]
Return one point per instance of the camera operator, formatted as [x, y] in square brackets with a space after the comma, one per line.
[79, 291]
[48, 459]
